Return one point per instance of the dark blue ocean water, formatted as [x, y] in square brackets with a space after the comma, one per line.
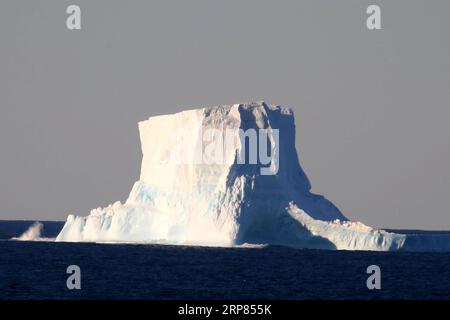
[37, 270]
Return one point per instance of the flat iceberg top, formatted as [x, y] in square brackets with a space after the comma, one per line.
[225, 110]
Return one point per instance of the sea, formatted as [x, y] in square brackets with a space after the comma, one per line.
[37, 270]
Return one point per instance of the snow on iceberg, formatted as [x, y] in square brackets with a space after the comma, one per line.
[200, 185]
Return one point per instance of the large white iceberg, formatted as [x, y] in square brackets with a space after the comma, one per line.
[191, 193]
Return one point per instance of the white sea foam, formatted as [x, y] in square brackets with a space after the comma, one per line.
[33, 233]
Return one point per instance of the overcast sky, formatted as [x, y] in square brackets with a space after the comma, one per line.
[372, 107]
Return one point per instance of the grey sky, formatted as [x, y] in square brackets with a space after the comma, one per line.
[372, 107]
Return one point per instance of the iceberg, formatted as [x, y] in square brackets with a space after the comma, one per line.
[225, 176]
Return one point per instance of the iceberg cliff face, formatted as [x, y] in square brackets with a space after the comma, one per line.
[202, 183]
